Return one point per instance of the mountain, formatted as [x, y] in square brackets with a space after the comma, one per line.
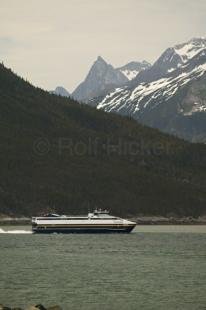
[61, 156]
[171, 59]
[101, 78]
[131, 69]
[170, 95]
[60, 91]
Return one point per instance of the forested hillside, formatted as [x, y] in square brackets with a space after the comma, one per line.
[56, 154]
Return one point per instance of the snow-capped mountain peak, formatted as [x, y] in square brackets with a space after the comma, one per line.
[171, 59]
[188, 50]
[170, 95]
[131, 69]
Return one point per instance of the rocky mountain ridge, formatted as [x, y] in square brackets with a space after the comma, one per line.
[103, 77]
[60, 91]
[170, 95]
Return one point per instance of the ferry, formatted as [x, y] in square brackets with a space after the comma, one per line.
[98, 221]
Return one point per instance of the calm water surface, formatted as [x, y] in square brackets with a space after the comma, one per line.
[155, 267]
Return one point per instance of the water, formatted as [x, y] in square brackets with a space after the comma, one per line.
[155, 267]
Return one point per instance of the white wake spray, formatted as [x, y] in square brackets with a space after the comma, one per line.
[2, 231]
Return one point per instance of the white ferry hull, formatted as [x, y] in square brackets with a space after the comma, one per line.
[83, 230]
[96, 222]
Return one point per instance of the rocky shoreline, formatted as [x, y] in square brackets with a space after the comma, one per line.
[140, 220]
[34, 307]
[161, 220]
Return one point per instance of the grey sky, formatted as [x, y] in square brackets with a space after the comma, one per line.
[52, 42]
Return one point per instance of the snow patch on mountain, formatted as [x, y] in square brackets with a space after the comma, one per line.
[197, 107]
[132, 69]
[188, 50]
[130, 74]
[141, 96]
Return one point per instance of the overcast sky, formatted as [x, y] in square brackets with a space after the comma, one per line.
[54, 42]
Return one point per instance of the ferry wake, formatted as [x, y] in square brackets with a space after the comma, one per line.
[98, 221]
